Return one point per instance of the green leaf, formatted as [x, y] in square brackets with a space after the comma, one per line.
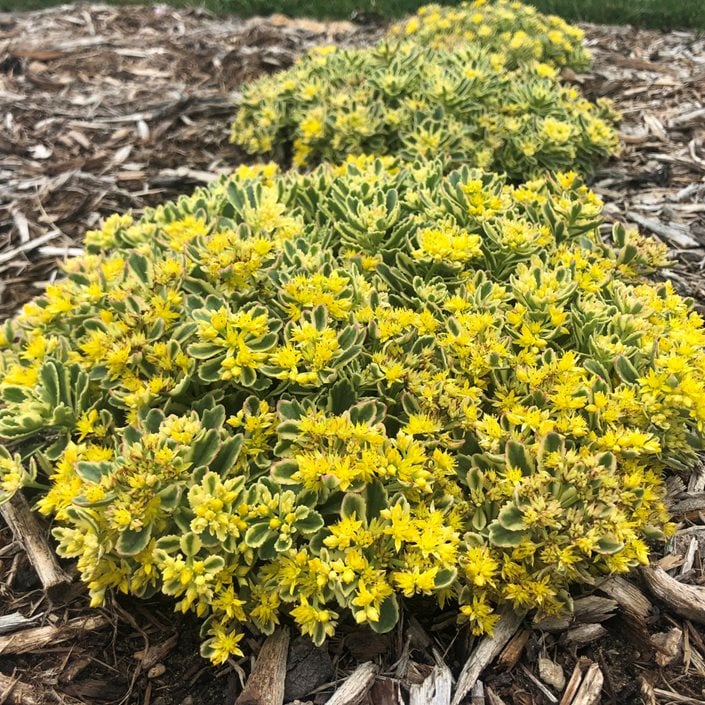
[608, 544]
[353, 504]
[503, 538]
[511, 518]
[226, 457]
[139, 264]
[169, 498]
[518, 457]
[309, 524]
[375, 497]
[388, 616]
[283, 471]
[257, 534]
[367, 412]
[93, 472]
[341, 397]
[214, 418]
[190, 544]
[283, 543]
[552, 443]
[132, 542]
[626, 371]
[205, 449]
[479, 519]
[445, 578]
[214, 564]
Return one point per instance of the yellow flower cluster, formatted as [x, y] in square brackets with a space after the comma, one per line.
[316, 394]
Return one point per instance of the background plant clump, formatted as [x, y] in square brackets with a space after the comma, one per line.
[312, 395]
[493, 102]
[520, 31]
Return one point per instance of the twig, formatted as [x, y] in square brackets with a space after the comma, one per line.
[686, 600]
[36, 638]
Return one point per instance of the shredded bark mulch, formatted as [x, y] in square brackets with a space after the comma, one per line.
[107, 109]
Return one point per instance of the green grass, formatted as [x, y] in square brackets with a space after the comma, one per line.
[646, 13]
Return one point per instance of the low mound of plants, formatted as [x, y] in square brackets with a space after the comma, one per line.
[519, 31]
[466, 106]
[307, 397]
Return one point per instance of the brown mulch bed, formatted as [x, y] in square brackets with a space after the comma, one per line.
[106, 109]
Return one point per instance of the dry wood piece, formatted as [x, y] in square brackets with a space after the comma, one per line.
[16, 692]
[13, 622]
[627, 596]
[265, 686]
[585, 684]
[356, 686]
[37, 638]
[485, 652]
[435, 690]
[689, 503]
[686, 600]
[676, 234]
[513, 650]
[585, 609]
[594, 608]
[584, 634]
[477, 694]
[386, 691]
[18, 515]
[157, 652]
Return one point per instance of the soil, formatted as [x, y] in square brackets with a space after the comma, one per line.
[107, 109]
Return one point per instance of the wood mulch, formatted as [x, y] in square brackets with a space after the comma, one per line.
[106, 109]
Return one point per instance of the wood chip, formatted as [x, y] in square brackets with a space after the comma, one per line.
[356, 686]
[26, 528]
[485, 652]
[435, 690]
[265, 686]
[583, 634]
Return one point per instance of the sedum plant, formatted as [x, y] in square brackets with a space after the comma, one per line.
[519, 31]
[469, 106]
[307, 397]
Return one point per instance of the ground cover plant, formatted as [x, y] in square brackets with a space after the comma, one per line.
[412, 101]
[307, 396]
[518, 30]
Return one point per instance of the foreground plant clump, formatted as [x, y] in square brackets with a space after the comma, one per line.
[518, 30]
[470, 104]
[311, 395]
